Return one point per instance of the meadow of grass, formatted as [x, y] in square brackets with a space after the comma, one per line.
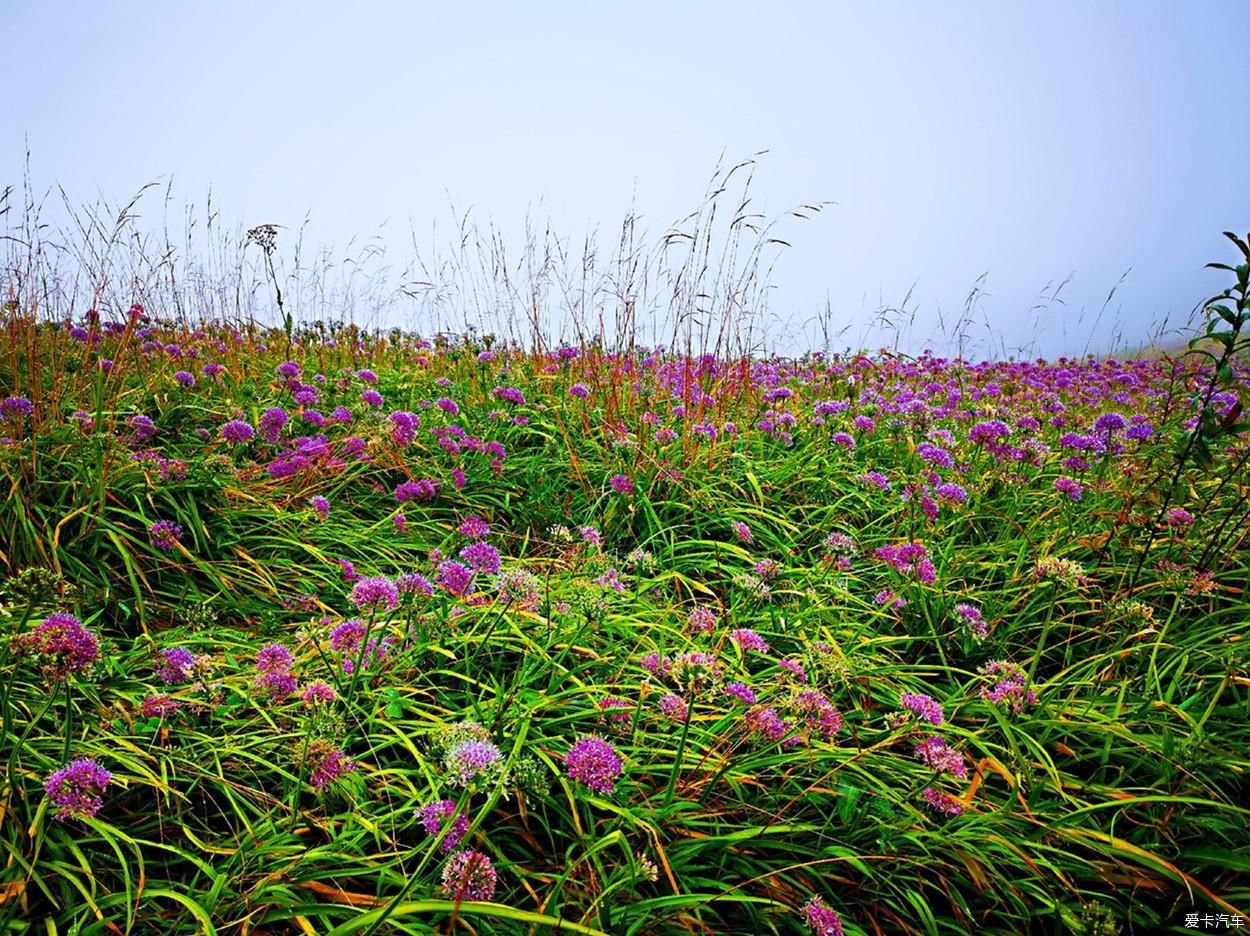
[326, 630]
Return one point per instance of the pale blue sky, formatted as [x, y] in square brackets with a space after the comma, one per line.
[1030, 141]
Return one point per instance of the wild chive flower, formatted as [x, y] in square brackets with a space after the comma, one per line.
[1069, 486]
[346, 637]
[474, 528]
[1178, 517]
[412, 583]
[972, 619]
[1063, 570]
[316, 692]
[747, 639]
[77, 789]
[701, 619]
[1108, 423]
[579, 390]
[272, 422]
[935, 456]
[320, 506]
[158, 706]
[764, 720]
[376, 593]
[433, 816]
[909, 559]
[942, 802]
[185, 379]
[672, 706]
[950, 493]
[455, 578]
[469, 875]
[594, 762]
[875, 478]
[767, 569]
[473, 761]
[821, 918]
[143, 428]
[178, 666]
[426, 489]
[273, 672]
[328, 764]
[885, 598]
[236, 432]
[619, 709]
[742, 692]
[844, 439]
[1012, 686]
[656, 664]
[483, 557]
[509, 394]
[165, 535]
[15, 406]
[741, 530]
[935, 753]
[61, 644]
[924, 706]
[372, 398]
[621, 484]
[820, 714]
[794, 668]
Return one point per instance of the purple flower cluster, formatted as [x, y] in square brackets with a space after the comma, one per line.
[316, 693]
[821, 918]
[702, 619]
[942, 802]
[328, 764]
[237, 432]
[425, 489]
[509, 395]
[747, 639]
[158, 706]
[469, 875]
[925, 707]
[61, 645]
[482, 557]
[271, 424]
[973, 620]
[177, 666]
[910, 559]
[935, 753]
[621, 484]
[474, 528]
[819, 713]
[1012, 685]
[273, 672]
[764, 720]
[15, 406]
[473, 762]
[165, 535]
[77, 789]
[455, 578]
[1069, 486]
[434, 815]
[674, 707]
[413, 583]
[320, 506]
[376, 593]
[594, 762]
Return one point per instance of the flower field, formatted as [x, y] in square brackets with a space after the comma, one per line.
[341, 632]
